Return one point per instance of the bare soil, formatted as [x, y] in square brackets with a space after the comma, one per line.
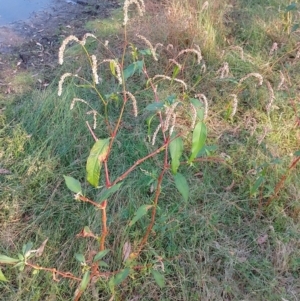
[33, 43]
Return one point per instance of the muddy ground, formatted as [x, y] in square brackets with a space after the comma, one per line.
[33, 44]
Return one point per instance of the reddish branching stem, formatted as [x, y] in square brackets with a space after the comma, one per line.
[84, 199]
[157, 194]
[91, 131]
[104, 227]
[138, 162]
[54, 271]
[280, 184]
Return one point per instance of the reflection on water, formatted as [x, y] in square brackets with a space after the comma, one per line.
[15, 10]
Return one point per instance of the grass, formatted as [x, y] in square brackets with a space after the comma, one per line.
[223, 244]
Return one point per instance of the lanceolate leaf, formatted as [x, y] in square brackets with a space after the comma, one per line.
[292, 6]
[79, 257]
[176, 149]
[107, 193]
[199, 107]
[132, 68]
[140, 213]
[119, 278]
[2, 277]
[73, 184]
[6, 259]
[182, 185]
[85, 281]
[159, 278]
[27, 248]
[256, 185]
[198, 142]
[103, 264]
[94, 162]
[112, 67]
[100, 255]
[297, 153]
[175, 71]
[156, 106]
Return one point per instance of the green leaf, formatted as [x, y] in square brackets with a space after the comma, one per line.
[159, 278]
[149, 120]
[112, 67]
[80, 257]
[107, 193]
[292, 6]
[132, 68]
[182, 185]
[140, 213]
[145, 52]
[207, 150]
[297, 153]
[175, 71]
[21, 257]
[176, 149]
[199, 107]
[2, 277]
[156, 106]
[119, 278]
[103, 264]
[295, 27]
[85, 281]
[171, 99]
[26, 248]
[20, 265]
[73, 184]
[256, 185]
[198, 142]
[94, 162]
[100, 255]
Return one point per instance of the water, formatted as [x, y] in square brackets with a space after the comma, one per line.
[16, 10]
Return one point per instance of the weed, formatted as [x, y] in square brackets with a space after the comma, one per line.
[221, 243]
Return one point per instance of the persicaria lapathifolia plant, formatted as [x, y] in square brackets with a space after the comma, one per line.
[165, 133]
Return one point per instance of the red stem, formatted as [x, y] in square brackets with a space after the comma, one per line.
[138, 162]
[157, 194]
[281, 182]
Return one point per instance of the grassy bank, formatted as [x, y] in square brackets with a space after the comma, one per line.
[224, 243]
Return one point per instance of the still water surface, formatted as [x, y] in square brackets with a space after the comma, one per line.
[16, 10]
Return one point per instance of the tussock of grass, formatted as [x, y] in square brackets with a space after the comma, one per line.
[223, 244]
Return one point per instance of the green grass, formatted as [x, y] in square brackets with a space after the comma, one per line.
[223, 244]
